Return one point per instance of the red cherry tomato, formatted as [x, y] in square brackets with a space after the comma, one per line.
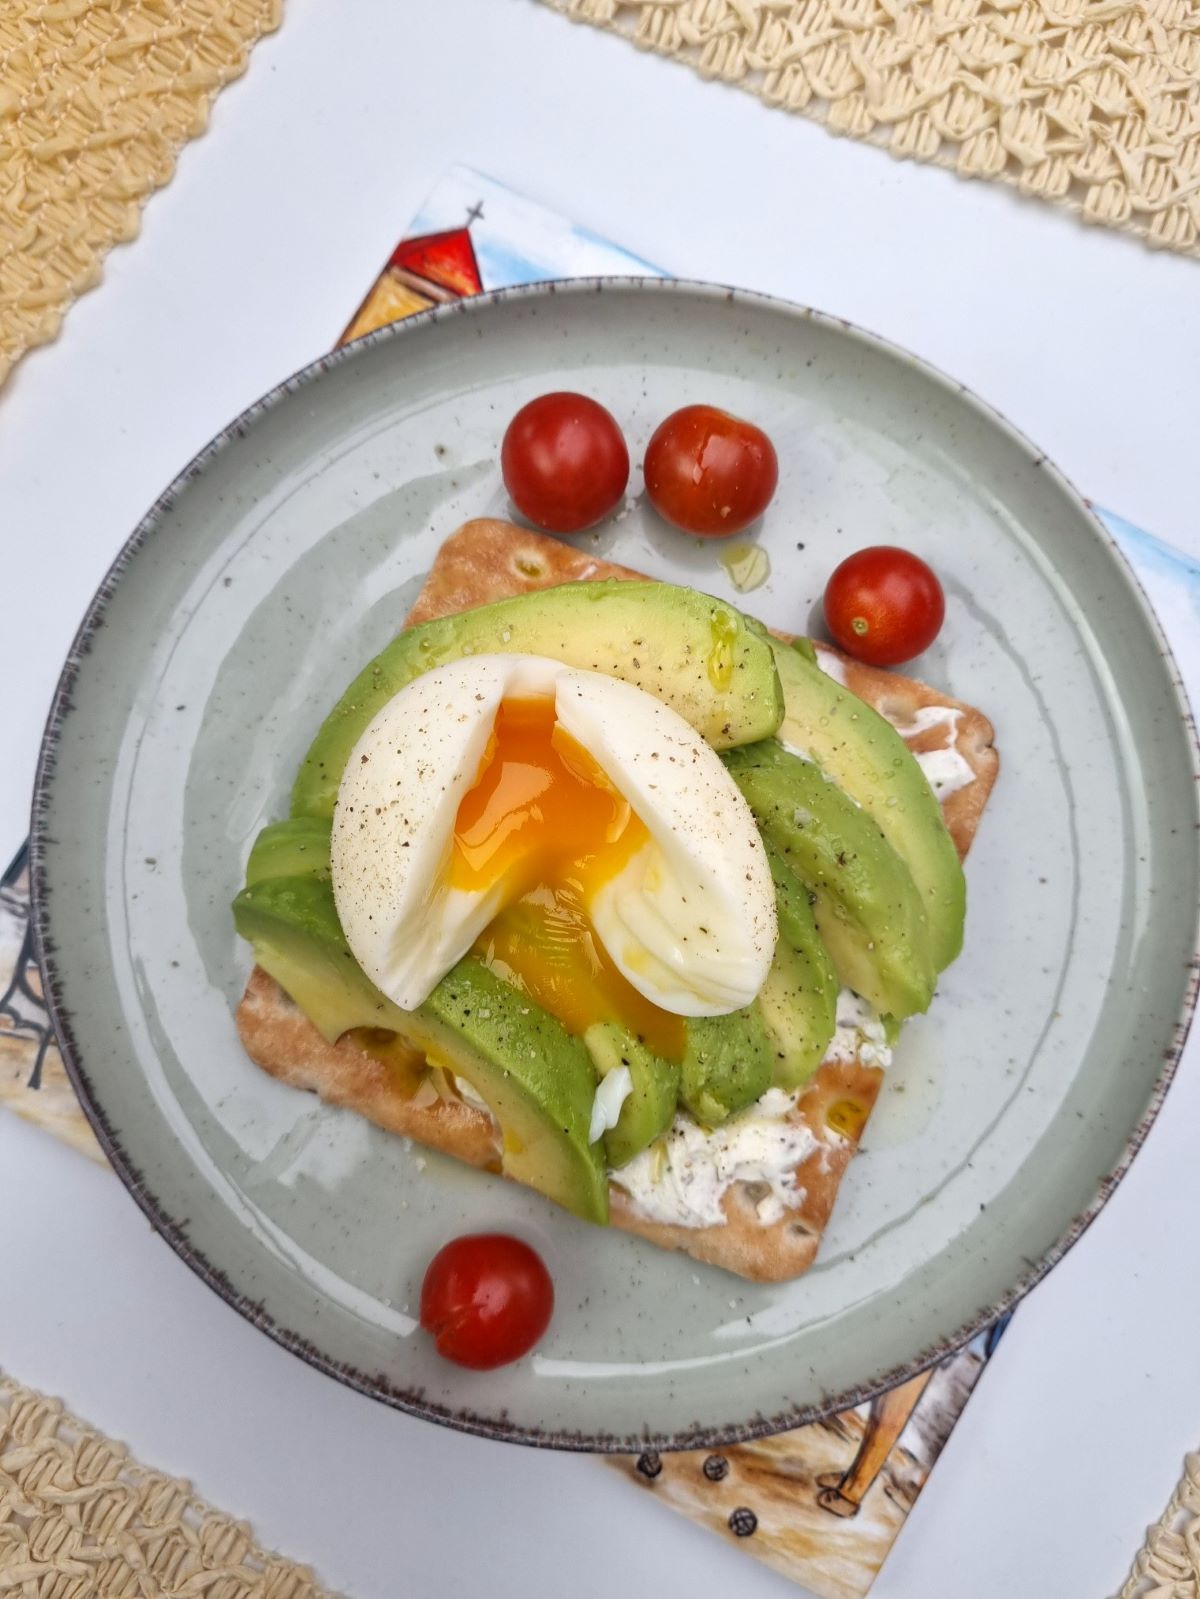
[564, 462]
[883, 605]
[486, 1300]
[710, 473]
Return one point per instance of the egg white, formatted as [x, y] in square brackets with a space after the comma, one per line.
[689, 919]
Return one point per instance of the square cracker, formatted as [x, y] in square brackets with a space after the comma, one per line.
[488, 560]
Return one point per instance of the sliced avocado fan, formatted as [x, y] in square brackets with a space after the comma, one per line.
[537, 1080]
[799, 998]
[867, 909]
[649, 1108]
[700, 656]
[865, 755]
[298, 847]
[727, 1064]
[868, 885]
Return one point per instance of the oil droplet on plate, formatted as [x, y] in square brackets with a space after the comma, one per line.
[747, 565]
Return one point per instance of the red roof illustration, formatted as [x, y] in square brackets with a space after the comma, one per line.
[445, 259]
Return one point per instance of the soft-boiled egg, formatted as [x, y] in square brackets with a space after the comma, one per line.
[572, 829]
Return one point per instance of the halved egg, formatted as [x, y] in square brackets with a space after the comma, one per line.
[575, 831]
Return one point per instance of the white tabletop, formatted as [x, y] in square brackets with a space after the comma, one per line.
[246, 268]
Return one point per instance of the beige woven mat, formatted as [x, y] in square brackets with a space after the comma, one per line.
[97, 97]
[1093, 104]
[80, 1519]
[1168, 1564]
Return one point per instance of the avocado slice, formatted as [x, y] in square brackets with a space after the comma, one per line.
[650, 1107]
[868, 911]
[799, 998]
[702, 657]
[293, 926]
[298, 847]
[866, 756]
[535, 1077]
[727, 1064]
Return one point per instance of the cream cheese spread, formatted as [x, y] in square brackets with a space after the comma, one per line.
[683, 1178]
[612, 1091]
[927, 716]
[946, 770]
[830, 665]
[860, 1034]
[469, 1095]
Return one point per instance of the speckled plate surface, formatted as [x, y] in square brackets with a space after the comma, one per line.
[287, 554]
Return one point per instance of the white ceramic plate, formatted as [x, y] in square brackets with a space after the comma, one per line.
[288, 553]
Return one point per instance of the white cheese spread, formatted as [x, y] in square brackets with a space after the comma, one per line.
[860, 1034]
[469, 1095]
[946, 770]
[613, 1089]
[927, 716]
[683, 1179]
[830, 665]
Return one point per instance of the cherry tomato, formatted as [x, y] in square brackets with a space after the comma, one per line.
[564, 462]
[710, 473]
[883, 605]
[486, 1299]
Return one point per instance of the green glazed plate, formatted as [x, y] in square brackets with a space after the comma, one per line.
[289, 552]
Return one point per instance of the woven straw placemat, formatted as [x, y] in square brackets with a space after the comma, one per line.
[81, 1519]
[1093, 104]
[1167, 1565]
[97, 97]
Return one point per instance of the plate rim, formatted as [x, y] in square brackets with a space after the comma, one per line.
[497, 1426]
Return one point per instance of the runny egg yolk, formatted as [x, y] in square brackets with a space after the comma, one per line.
[543, 817]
